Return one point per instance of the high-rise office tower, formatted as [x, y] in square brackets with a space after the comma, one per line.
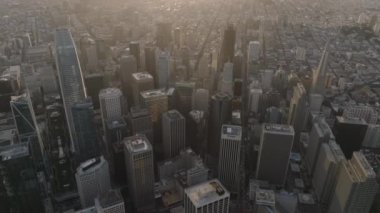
[319, 75]
[111, 104]
[229, 157]
[197, 131]
[101, 48]
[173, 133]
[86, 141]
[228, 45]
[220, 113]
[163, 69]
[280, 81]
[254, 50]
[150, 61]
[324, 180]
[238, 65]
[372, 136]
[201, 100]
[254, 100]
[128, 66]
[140, 121]
[94, 83]
[22, 114]
[20, 187]
[274, 115]
[226, 82]
[156, 101]
[184, 94]
[142, 81]
[110, 202]
[69, 76]
[93, 179]
[140, 170]
[134, 48]
[275, 146]
[356, 186]
[163, 35]
[177, 37]
[297, 110]
[320, 133]
[315, 101]
[349, 134]
[367, 113]
[209, 196]
[266, 79]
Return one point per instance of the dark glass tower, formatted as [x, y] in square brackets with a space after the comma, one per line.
[220, 113]
[228, 45]
[87, 145]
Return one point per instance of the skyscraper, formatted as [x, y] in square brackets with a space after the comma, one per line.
[22, 114]
[220, 113]
[196, 129]
[173, 133]
[93, 179]
[356, 187]
[229, 157]
[201, 100]
[254, 50]
[94, 83]
[297, 110]
[266, 79]
[275, 146]
[209, 196]
[111, 104]
[156, 101]
[21, 191]
[320, 133]
[128, 66]
[69, 76]
[163, 69]
[163, 35]
[319, 75]
[140, 172]
[184, 93]
[140, 121]
[86, 141]
[142, 81]
[228, 45]
[134, 48]
[349, 134]
[150, 61]
[226, 82]
[330, 159]
[254, 100]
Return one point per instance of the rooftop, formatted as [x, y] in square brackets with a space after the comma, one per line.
[265, 197]
[90, 164]
[142, 76]
[174, 115]
[153, 93]
[137, 143]
[14, 151]
[108, 91]
[231, 131]
[110, 198]
[139, 111]
[279, 128]
[207, 192]
[351, 120]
